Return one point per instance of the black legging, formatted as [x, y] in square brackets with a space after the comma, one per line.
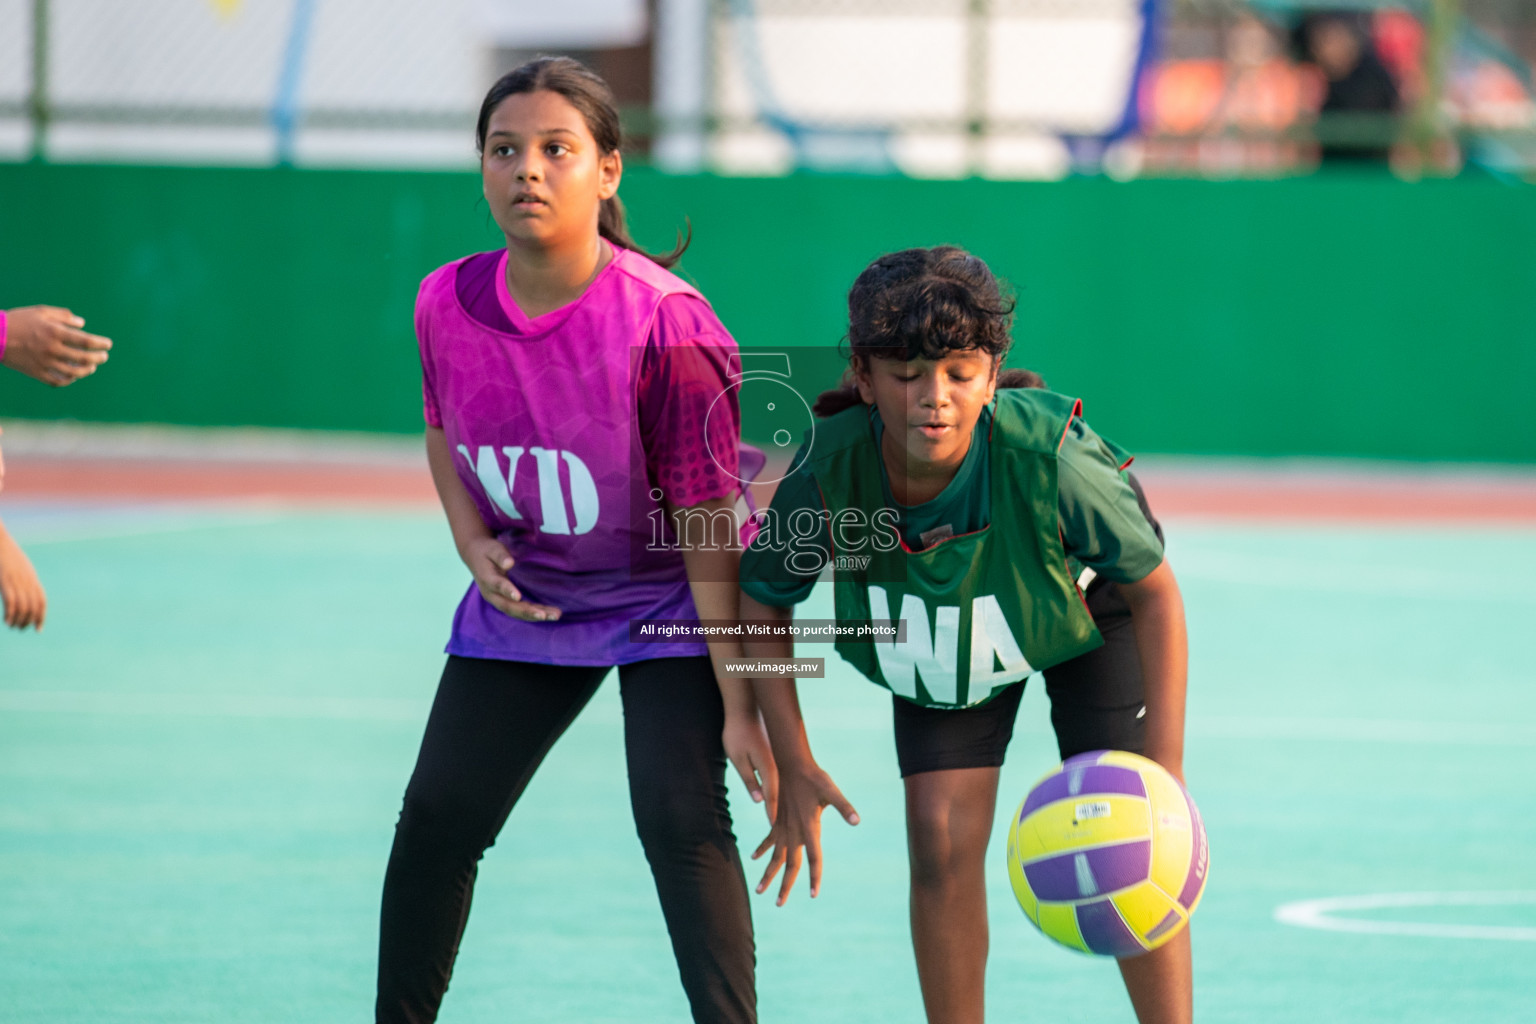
[491, 724]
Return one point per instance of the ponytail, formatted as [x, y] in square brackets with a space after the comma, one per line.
[612, 225]
[834, 401]
[1020, 379]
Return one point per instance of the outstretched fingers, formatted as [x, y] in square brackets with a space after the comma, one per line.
[786, 856]
[771, 791]
[748, 774]
[791, 872]
[775, 862]
[813, 862]
[836, 799]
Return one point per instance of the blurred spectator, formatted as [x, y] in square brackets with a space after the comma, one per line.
[1358, 84]
[1243, 102]
[1265, 95]
[1488, 94]
[1399, 41]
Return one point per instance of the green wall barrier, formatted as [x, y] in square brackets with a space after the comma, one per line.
[1321, 316]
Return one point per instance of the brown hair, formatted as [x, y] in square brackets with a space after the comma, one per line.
[585, 90]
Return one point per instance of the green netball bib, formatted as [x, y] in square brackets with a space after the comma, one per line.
[983, 609]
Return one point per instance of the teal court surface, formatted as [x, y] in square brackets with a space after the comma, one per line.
[202, 758]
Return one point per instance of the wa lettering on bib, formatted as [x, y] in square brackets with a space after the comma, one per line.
[983, 609]
[933, 654]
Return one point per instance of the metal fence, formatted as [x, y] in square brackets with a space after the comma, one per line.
[1002, 88]
[1040, 88]
[238, 80]
[926, 87]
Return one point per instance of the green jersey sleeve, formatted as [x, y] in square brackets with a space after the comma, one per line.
[781, 565]
[1101, 522]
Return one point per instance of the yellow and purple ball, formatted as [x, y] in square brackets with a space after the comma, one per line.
[1107, 854]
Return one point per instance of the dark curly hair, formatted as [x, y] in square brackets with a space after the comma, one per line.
[585, 90]
[925, 304]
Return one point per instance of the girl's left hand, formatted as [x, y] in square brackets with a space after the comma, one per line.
[805, 793]
[747, 747]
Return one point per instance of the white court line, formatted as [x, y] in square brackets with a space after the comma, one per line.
[233, 705]
[56, 439]
[184, 524]
[1318, 914]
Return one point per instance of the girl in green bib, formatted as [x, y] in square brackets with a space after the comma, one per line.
[1004, 533]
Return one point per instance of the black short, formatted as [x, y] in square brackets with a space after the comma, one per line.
[1096, 700]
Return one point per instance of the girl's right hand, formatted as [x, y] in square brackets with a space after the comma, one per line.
[804, 792]
[46, 342]
[489, 562]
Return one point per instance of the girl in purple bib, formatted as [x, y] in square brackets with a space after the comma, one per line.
[576, 395]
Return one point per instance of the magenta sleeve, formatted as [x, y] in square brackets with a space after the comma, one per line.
[2, 334]
[429, 410]
[690, 423]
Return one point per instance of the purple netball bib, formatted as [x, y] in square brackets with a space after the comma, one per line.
[543, 427]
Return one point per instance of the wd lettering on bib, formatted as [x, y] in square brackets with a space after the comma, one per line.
[500, 487]
[543, 426]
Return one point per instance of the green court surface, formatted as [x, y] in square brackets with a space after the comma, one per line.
[202, 757]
